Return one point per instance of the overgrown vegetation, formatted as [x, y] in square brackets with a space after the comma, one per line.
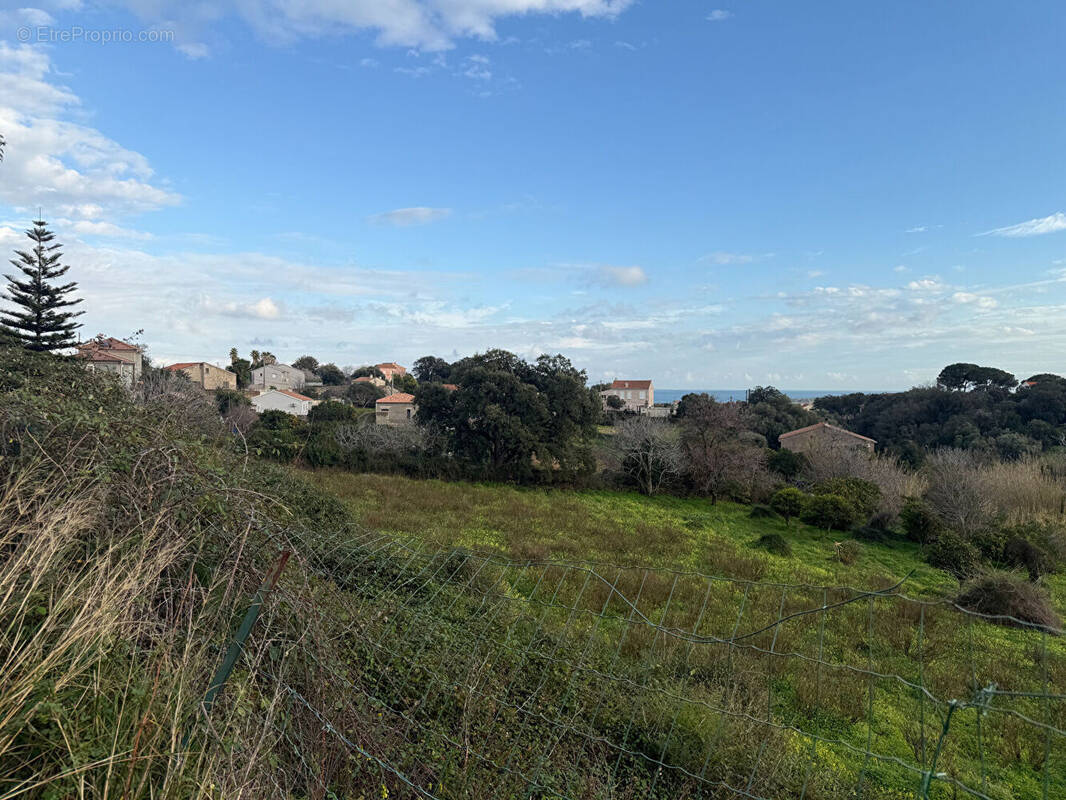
[137, 528]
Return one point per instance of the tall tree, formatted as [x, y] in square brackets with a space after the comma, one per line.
[306, 363]
[39, 321]
[431, 369]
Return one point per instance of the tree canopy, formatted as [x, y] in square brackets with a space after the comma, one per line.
[972, 408]
[510, 418]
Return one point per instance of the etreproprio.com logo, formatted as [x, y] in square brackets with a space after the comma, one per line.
[44, 34]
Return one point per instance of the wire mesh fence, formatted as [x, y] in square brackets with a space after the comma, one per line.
[442, 673]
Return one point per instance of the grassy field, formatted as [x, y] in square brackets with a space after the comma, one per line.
[622, 528]
[847, 675]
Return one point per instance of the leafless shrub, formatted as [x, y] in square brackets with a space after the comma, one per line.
[717, 456]
[1022, 490]
[895, 482]
[382, 438]
[173, 396]
[956, 490]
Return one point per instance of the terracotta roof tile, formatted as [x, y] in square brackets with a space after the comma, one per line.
[827, 426]
[399, 397]
[620, 384]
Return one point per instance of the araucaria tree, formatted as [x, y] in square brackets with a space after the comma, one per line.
[40, 320]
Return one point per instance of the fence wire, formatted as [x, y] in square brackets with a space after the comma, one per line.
[443, 673]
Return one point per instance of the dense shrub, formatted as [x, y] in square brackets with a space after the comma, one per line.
[762, 511]
[847, 552]
[277, 436]
[786, 463]
[1019, 552]
[919, 521]
[774, 543]
[951, 552]
[331, 411]
[862, 494]
[1004, 595]
[788, 502]
[830, 511]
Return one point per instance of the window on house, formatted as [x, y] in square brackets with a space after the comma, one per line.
[643, 395]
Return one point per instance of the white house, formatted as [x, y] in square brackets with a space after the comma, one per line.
[283, 400]
[278, 376]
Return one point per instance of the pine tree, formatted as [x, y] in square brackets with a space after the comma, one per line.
[38, 322]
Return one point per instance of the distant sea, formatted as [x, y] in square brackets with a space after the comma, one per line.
[725, 395]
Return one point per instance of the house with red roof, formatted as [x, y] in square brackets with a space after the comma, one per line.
[286, 400]
[113, 356]
[396, 409]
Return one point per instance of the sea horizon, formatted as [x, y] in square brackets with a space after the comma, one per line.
[726, 395]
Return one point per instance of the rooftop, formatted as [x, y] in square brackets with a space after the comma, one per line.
[827, 426]
[399, 397]
[620, 384]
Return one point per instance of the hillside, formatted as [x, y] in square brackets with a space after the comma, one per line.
[136, 534]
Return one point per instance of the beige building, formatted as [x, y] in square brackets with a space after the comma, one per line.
[396, 409]
[277, 376]
[207, 376]
[283, 400]
[373, 380]
[635, 395]
[823, 436]
[113, 356]
[390, 369]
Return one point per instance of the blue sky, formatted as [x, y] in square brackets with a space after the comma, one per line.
[831, 195]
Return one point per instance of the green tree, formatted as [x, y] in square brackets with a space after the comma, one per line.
[788, 502]
[430, 369]
[331, 375]
[308, 363]
[772, 413]
[364, 395]
[368, 372]
[405, 383]
[241, 367]
[830, 511]
[508, 418]
[39, 321]
[229, 399]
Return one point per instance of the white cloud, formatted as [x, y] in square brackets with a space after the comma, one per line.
[721, 257]
[1034, 227]
[815, 273]
[406, 217]
[968, 298]
[263, 309]
[423, 24]
[926, 285]
[719, 15]
[64, 167]
[620, 276]
[901, 268]
[106, 229]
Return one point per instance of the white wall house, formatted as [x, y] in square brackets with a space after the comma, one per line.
[278, 376]
[283, 400]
